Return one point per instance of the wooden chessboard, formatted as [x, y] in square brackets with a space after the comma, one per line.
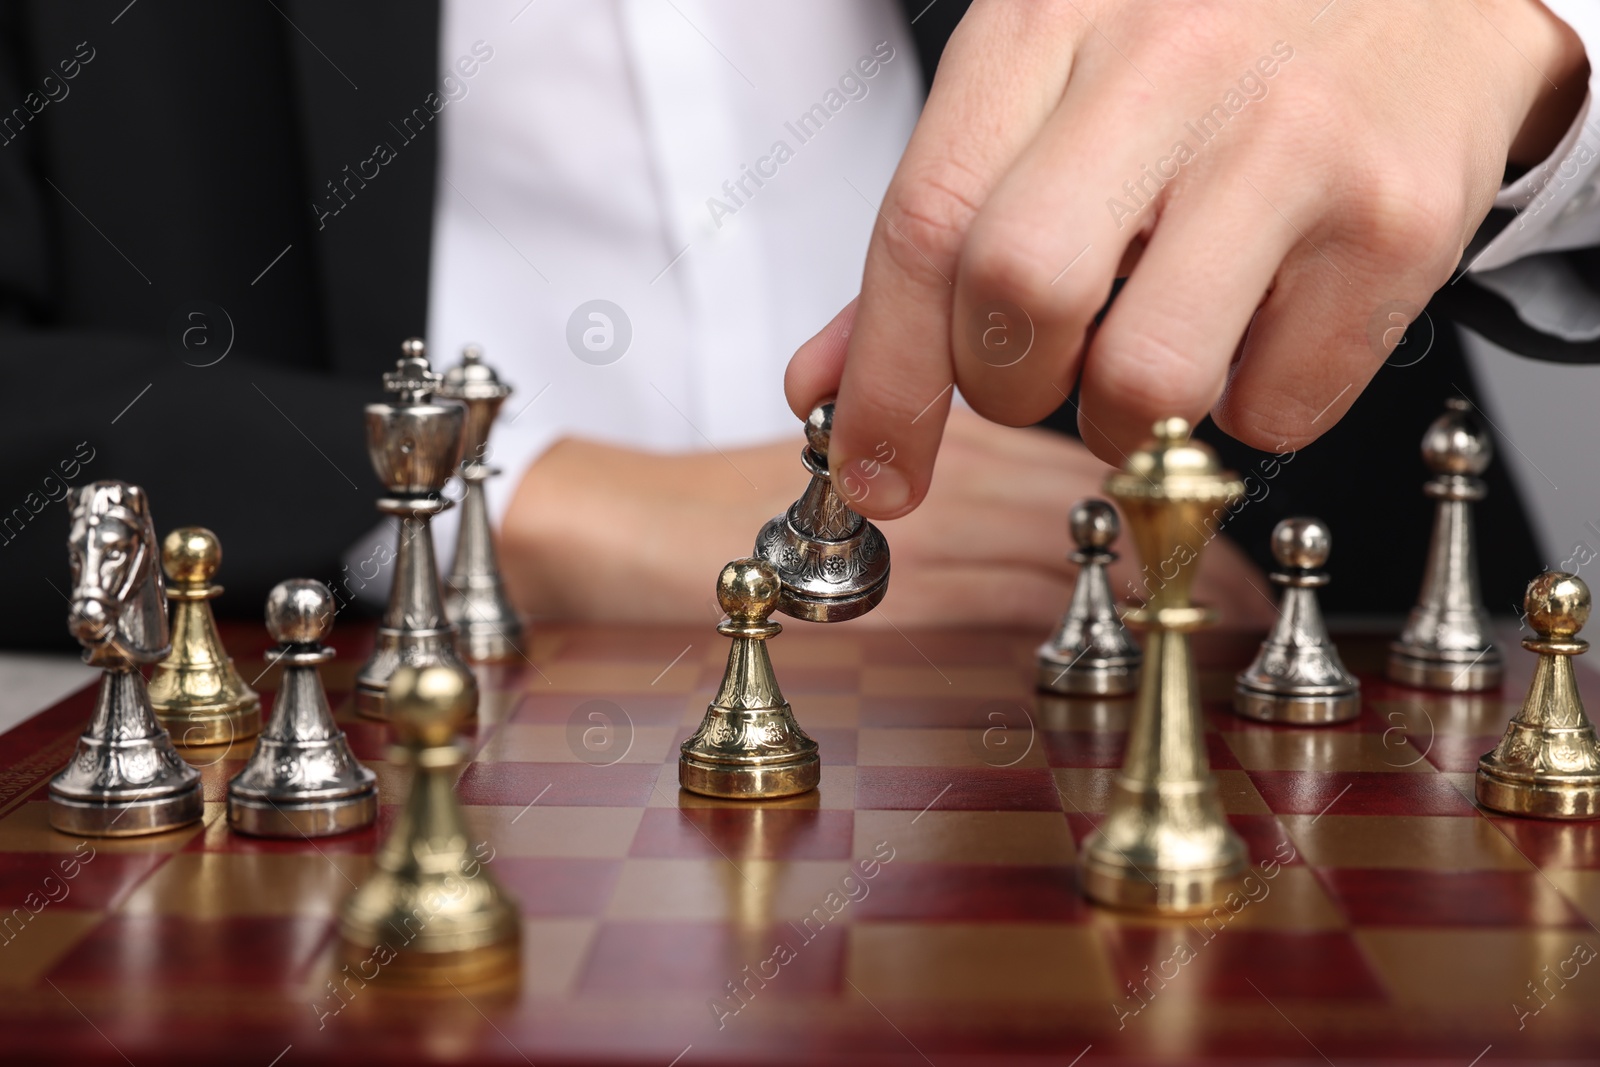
[924, 897]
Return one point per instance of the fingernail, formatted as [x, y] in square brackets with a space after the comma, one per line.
[873, 485]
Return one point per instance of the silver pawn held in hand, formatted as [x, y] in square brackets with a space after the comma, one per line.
[1446, 643]
[1092, 653]
[487, 626]
[1548, 763]
[1297, 677]
[833, 565]
[126, 777]
[302, 779]
[414, 446]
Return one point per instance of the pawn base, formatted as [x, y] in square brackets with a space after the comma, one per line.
[126, 818]
[258, 817]
[1164, 892]
[1090, 678]
[202, 729]
[484, 643]
[410, 968]
[758, 782]
[1574, 797]
[1467, 675]
[1315, 710]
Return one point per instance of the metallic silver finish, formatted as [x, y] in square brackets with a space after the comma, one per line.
[1297, 677]
[1091, 653]
[414, 446]
[125, 778]
[833, 564]
[475, 600]
[1447, 642]
[302, 780]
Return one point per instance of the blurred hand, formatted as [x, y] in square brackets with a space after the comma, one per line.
[1272, 177]
[602, 533]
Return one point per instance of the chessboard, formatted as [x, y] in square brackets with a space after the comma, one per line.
[920, 907]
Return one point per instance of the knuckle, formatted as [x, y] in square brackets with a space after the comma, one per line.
[1398, 212]
[924, 222]
[1150, 376]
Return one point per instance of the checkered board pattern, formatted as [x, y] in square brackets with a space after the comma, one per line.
[920, 907]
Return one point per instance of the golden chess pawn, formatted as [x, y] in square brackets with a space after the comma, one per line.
[1164, 844]
[749, 746]
[196, 692]
[1548, 763]
[430, 913]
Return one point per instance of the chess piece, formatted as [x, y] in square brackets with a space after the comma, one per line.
[487, 627]
[1297, 677]
[414, 445]
[196, 692]
[832, 564]
[749, 746]
[1164, 844]
[1548, 763]
[302, 779]
[430, 913]
[1446, 643]
[1092, 653]
[126, 777]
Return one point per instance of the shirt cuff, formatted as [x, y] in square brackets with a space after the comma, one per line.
[1558, 202]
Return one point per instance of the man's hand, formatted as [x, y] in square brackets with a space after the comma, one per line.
[1273, 176]
[602, 533]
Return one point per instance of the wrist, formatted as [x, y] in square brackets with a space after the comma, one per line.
[1555, 68]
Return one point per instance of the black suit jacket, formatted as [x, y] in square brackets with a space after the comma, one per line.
[175, 312]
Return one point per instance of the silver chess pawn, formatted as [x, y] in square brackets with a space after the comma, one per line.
[302, 780]
[475, 597]
[1446, 643]
[1092, 653]
[126, 777]
[1297, 677]
[833, 565]
[414, 446]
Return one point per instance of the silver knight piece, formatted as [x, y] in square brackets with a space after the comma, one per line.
[1297, 677]
[302, 779]
[414, 446]
[1446, 643]
[475, 598]
[1092, 653]
[126, 777]
[832, 563]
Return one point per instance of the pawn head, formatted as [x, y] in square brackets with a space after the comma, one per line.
[1301, 544]
[429, 706]
[1557, 604]
[819, 427]
[191, 555]
[1093, 523]
[1456, 443]
[748, 589]
[299, 612]
[413, 348]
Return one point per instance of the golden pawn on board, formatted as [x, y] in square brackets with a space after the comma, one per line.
[1548, 763]
[430, 913]
[1164, 844]
[196, 691]
[749, 745]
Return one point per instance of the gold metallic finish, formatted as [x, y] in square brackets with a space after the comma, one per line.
[749, 746]
[1548, 763]
[431, 910]
[1164, 845]
[196, 692]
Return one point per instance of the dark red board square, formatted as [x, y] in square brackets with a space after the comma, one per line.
[1223, 960]
[747, 831]
[1414, 897]
[932, 713]
[621, 785]
[100, 879]
[1550, 844]
[1083, 748]
[700, 959]
[956, 789]
[946, 648]
[631, 644]
[955, 892]
[560, 709]
[1456, 754]
[170, 951]
[1359, 793]
[369, 740]
[1266, 839]
[558, 886]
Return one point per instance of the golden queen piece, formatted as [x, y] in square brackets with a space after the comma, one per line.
[1548, 763]
[1164, 844]
[196, 691]
[430, 913]
[749, 745]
